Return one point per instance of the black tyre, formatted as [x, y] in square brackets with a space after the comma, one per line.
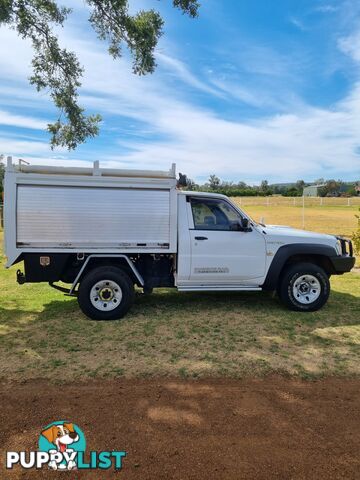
[106, 293]
[304, 287]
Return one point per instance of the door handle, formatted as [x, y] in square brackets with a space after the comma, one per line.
[201, 238]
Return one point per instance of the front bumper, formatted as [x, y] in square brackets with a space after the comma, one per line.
[342, 263]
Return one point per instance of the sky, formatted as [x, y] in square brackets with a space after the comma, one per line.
[250, 90]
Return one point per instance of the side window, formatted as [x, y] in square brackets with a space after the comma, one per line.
[209, 214]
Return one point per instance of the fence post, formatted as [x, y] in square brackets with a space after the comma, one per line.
[303, 212]
[348, 202]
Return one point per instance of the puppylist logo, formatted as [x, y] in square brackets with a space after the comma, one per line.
[62, 446]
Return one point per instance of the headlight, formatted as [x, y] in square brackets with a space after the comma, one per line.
[338, 247]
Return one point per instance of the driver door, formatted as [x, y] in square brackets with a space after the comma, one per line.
[220, 252]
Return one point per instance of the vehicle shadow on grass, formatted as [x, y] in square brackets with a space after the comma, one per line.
[177, 333]
[264, 302]
[167, 303]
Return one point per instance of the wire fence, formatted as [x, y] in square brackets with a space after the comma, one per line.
[299, 201]
[324, 215]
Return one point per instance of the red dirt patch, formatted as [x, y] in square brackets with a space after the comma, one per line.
[271, 428]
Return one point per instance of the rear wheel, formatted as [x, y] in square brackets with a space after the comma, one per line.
[304, 287]
[106, 293]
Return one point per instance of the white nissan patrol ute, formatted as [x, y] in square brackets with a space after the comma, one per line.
[103, 231]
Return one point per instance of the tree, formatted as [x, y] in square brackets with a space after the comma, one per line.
[214, 182]
[300, 184]
[58, 70]
[191, 184]
[332, 187]
[264, 186]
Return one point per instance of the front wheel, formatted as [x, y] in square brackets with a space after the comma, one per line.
[106, 293]
[304, 287]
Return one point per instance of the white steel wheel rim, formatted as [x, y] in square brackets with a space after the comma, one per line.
[306, 289]
[106, 295]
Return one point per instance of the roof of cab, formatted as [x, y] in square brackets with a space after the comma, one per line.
[202, 194]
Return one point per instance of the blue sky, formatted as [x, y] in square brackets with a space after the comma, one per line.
[250, 90]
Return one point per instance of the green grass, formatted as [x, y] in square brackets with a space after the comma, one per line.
[43, 334]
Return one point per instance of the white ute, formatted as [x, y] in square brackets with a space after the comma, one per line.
[103, 231]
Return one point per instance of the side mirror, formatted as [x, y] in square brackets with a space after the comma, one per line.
[242, 226]
[245, 223]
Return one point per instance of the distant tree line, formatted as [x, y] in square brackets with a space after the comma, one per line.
[241, 189]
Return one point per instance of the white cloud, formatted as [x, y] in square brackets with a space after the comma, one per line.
[298, 142]
[181, 72]
[15, 56]
[10, 119]
[259, 59]
[351, 46]
[283, 147]
[23, 148]
[326, 9]
[259, 97]
[297, 23]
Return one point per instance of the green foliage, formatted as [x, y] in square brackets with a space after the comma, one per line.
[188, 6]
[356, 236]
[264, 186]
[214, 182]
[58, 70]
[332, 187]
[300, 184]
[141, 32]
[292, 192]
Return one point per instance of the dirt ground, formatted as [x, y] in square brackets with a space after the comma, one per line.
[271, 428]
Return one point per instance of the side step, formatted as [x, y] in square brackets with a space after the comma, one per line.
[217, 288]
[63, 289]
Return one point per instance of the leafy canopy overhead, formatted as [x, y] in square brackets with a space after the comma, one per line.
[58, 70]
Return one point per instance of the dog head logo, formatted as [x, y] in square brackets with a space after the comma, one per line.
[62, 436]
[63, 441]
